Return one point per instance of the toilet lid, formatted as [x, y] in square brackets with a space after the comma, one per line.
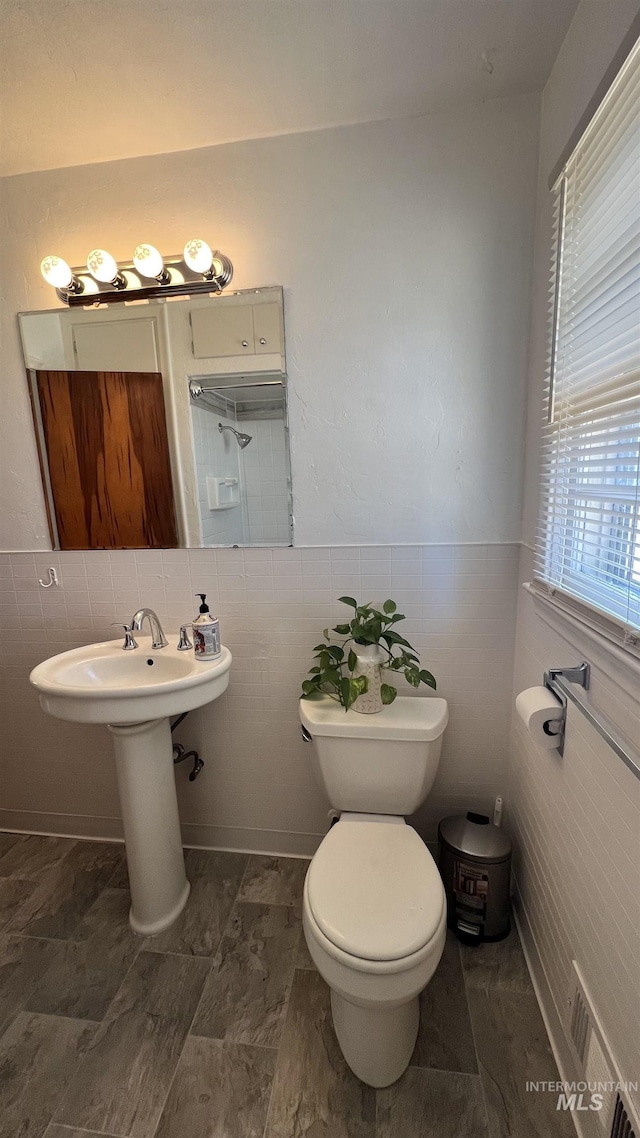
[374, 890]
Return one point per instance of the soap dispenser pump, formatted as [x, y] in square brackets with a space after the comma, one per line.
[206, 633]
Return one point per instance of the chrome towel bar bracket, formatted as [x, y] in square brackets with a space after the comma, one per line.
[565, 684]
[580, 675]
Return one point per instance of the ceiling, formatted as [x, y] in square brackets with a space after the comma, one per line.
[93, 80]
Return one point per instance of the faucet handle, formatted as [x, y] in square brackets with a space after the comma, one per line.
[184, 644]
[129, 640]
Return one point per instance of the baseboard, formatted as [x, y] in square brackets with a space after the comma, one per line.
[235, 838]
[62, 825]
[585, 1124]
[284, 843]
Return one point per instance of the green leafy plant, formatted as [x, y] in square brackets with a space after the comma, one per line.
[332, 673]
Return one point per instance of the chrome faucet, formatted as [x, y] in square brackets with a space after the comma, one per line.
[158, 638]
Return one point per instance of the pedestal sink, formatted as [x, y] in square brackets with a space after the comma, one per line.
[134, 693]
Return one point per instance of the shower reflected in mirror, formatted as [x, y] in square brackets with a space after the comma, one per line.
[244, 491]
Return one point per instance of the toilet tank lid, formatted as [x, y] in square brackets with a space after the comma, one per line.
[407, 719]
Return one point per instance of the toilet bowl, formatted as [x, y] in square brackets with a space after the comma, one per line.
[374, 906]
[374, 918]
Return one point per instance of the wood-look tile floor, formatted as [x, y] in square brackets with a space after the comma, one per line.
[221, 1027]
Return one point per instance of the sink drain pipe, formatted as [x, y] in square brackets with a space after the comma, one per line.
[180, 755]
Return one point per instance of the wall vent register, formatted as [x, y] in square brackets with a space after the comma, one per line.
[596, 1064]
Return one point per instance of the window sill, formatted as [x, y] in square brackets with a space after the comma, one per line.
[619, 660]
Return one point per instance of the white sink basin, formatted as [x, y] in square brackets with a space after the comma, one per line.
[104, 684]
[135, 693]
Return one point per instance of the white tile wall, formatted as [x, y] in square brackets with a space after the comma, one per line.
[256, 790]
[216, 455]
[262, 518]
[575, 822]
[266, 486]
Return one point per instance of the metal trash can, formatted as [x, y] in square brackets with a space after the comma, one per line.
[475, 864]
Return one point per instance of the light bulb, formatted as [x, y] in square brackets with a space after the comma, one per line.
[198, 256]
[56, 272]
[148, 261]
[102, 266]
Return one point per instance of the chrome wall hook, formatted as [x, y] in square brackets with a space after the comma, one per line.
[51, 580]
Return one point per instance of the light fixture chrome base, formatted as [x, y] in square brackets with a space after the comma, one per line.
[224, 278]
[176, 279]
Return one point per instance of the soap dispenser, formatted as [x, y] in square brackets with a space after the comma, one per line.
[206, 633]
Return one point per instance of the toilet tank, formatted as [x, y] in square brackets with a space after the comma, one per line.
[376, 764]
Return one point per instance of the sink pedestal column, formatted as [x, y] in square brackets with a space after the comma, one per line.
[146, 782]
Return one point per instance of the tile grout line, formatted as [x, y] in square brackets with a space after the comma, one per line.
[473, 1036]
[276, 904]
[99, 1024]
[234, 1042]
[442, 1071]
[86, 1023]
[6, 931]
[271, 1090]
[284, 1021]
[62, 942]
[275, 1066]
[187, 1037]
[188, 1034]
[244, 874]
[81, 1130]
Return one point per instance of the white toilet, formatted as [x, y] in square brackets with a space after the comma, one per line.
[374, 910]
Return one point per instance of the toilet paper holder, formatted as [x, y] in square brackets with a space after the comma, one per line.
[564, 683]
[581, 675]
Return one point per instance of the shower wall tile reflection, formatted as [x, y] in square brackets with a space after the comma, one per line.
[266, 485]
[261, 467]
[217, 455]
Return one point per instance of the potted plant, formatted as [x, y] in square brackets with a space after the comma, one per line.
[351, 671]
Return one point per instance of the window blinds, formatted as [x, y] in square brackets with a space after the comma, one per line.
[589, 535]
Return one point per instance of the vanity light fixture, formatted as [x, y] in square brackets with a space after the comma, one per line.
[148, 276]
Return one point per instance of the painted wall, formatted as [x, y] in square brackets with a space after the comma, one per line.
[405, 250]
[575, 821]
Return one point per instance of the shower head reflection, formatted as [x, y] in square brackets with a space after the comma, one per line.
[243, 440]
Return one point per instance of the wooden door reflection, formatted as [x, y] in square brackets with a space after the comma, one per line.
[105, 455]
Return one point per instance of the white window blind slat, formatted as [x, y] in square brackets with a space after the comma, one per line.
[594, 207]
[612, 243]
[595, 158]
[589, 531]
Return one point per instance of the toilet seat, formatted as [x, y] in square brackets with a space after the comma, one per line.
[374, 893]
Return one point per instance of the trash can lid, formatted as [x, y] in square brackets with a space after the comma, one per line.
[475, 837]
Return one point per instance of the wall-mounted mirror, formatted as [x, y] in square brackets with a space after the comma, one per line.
[163, 423]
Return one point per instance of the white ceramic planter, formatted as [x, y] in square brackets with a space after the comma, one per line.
[370, 657]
